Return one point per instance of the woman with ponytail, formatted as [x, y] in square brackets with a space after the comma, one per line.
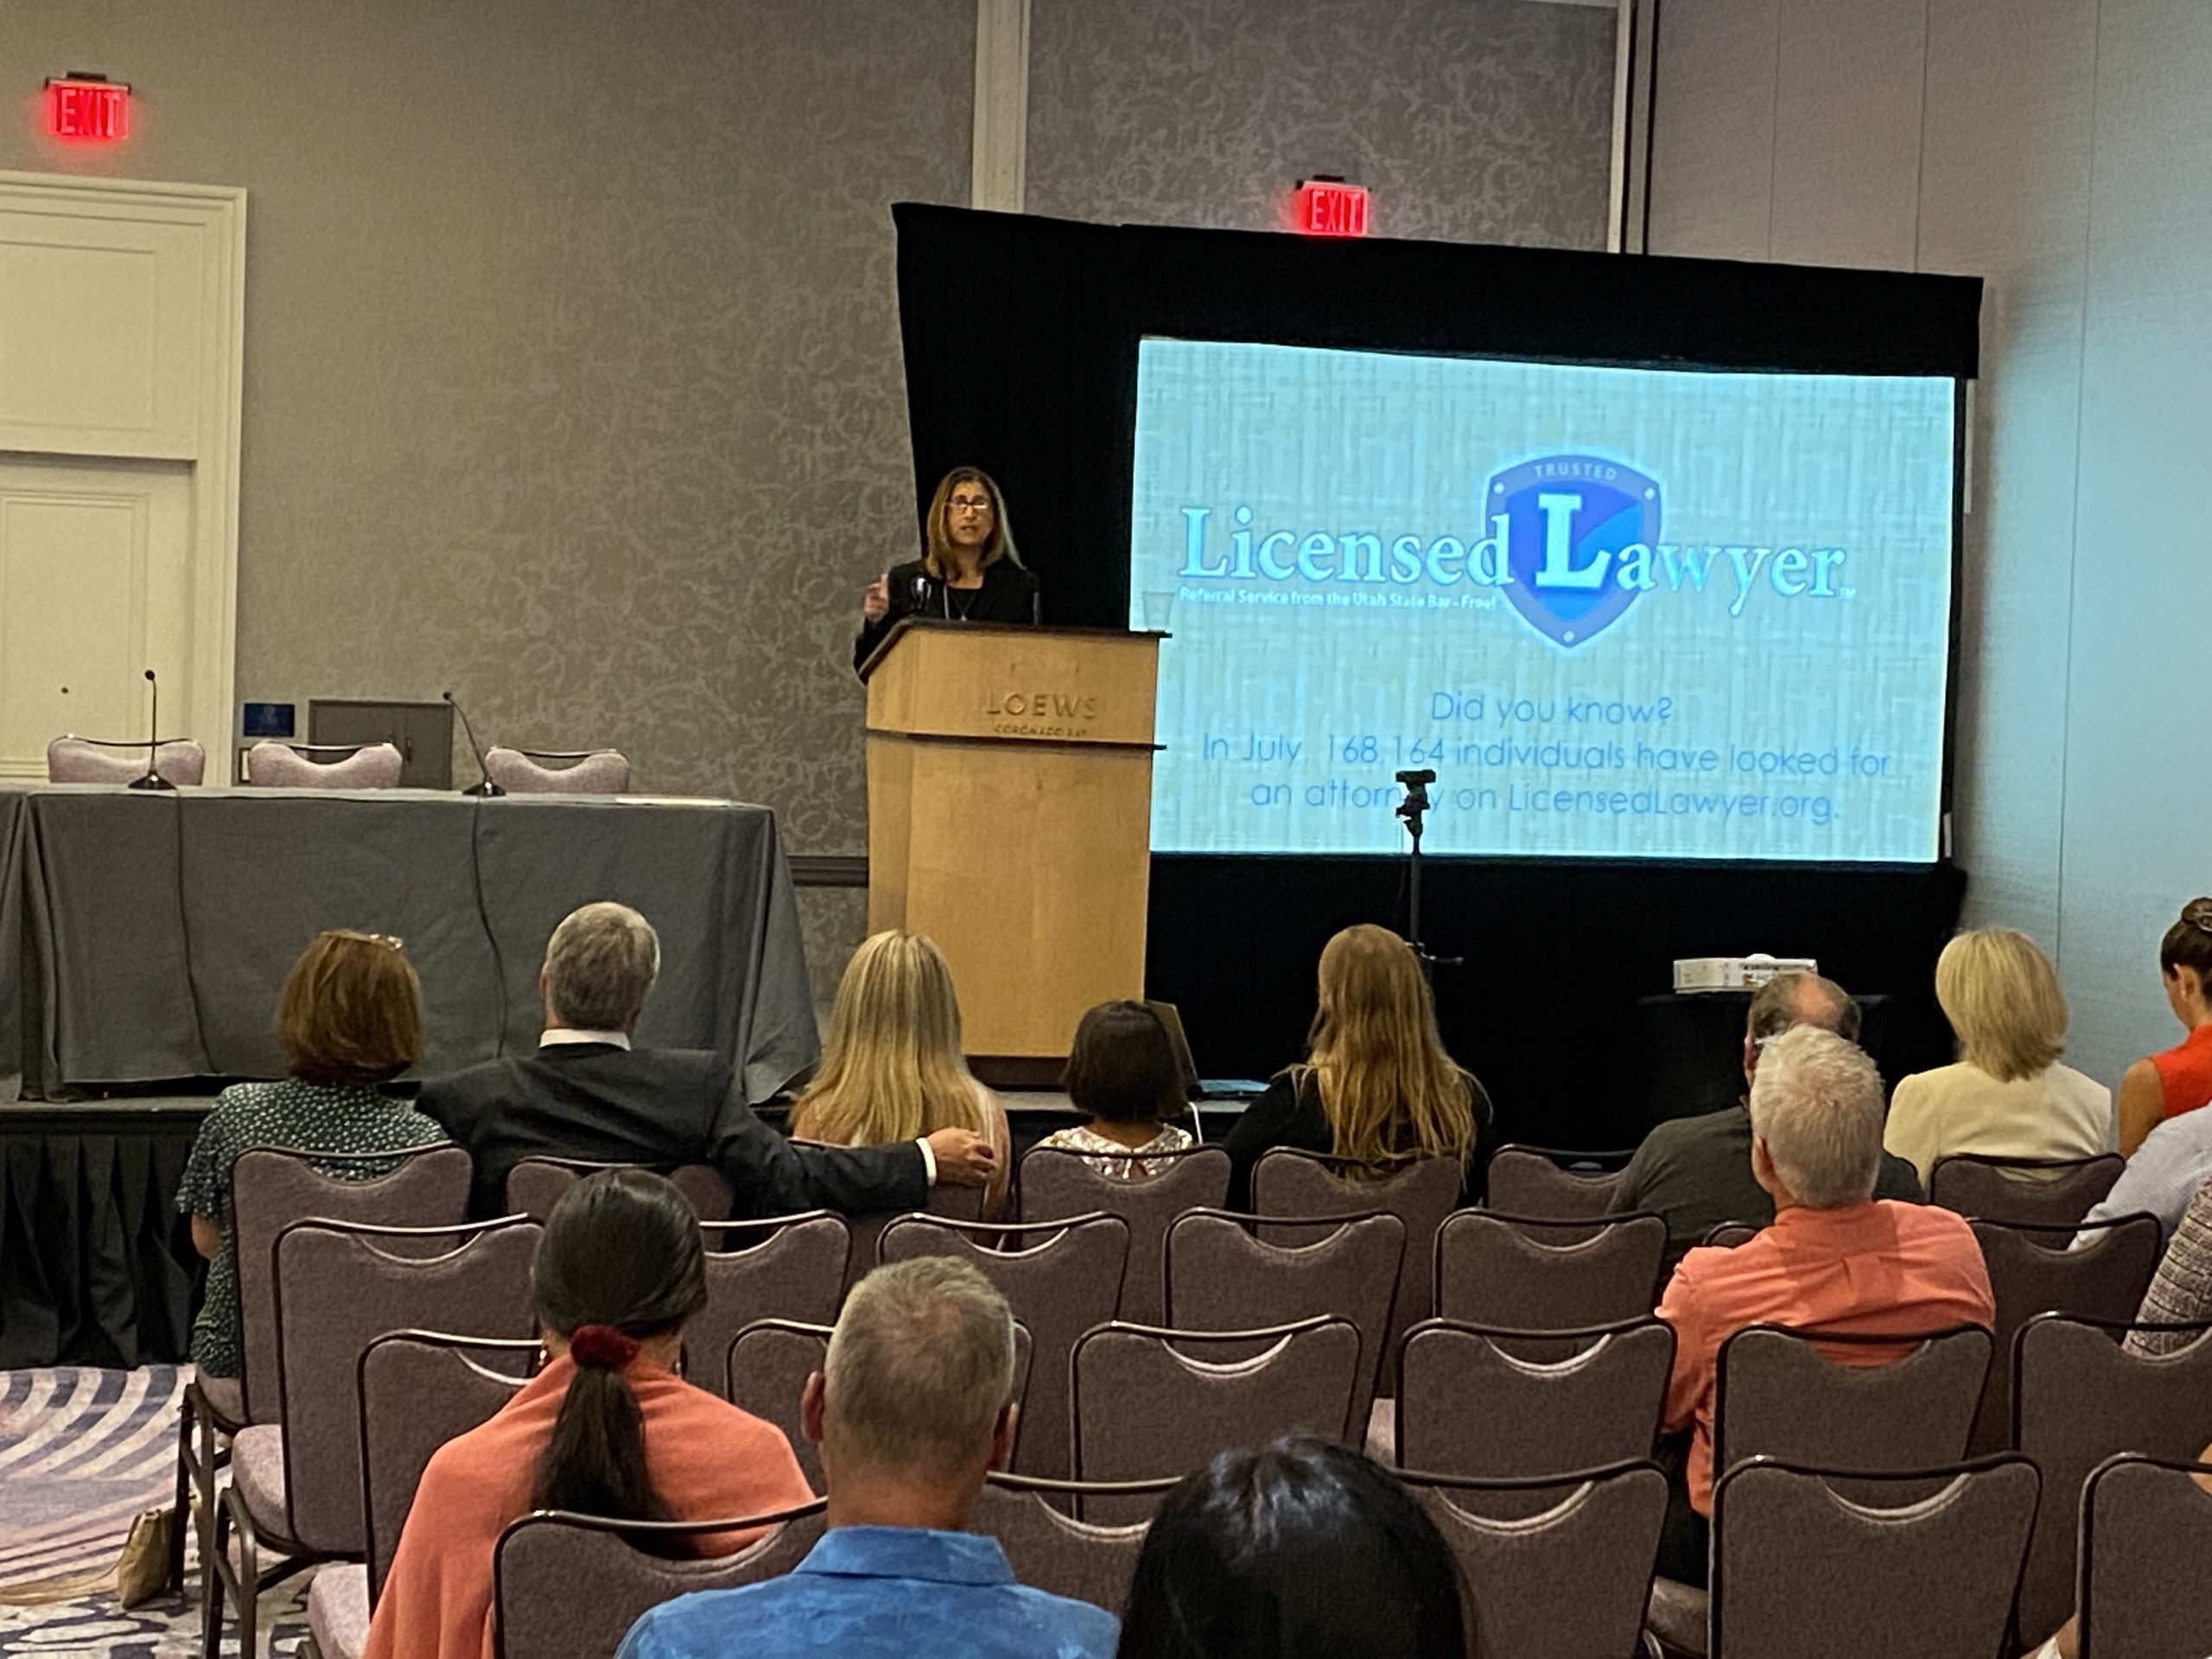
[606, 1427]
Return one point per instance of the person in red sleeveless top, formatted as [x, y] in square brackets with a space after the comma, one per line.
[2179, 1079]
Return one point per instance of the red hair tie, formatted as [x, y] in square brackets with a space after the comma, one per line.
[602, 1347]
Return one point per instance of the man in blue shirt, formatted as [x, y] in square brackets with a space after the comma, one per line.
[914, 1407]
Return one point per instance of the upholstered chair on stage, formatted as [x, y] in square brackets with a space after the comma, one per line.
[298, 765]
[93, 761]
[584, 771]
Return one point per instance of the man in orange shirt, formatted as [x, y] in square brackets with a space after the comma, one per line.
[1836, 1257]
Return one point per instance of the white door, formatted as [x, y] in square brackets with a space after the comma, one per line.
[95, 588]
[122, 307]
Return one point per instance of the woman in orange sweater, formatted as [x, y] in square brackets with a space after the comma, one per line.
[607, 1427]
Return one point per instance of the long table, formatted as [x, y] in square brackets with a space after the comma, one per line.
[145, 936]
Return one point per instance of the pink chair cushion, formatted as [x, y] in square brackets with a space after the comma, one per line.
[338, 1609]
[604, 771]
[78, 760]
[278, 766]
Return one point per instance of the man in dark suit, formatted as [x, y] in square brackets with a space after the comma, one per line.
[588, 1094]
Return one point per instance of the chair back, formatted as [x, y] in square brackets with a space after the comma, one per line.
[1421, 1193]
[1059, 1182]
[945, 1203]
[588, 771]
[339, 1288]
[784, 1268]
[570, 1587]
[1050, 1550]
[1869, 1405]
[2140, 1519]
[2080, 1397]
[1797, 1569]
[1556, 1568]
[1060, 1278]
[2041, 1191]
[1727, 1235]
[769, 1360]
[419, 1390]
[1523, 1273]
[272, 1187]
[1148, 1403]
[535, 1185]
[2032, 1272]
[91, 760]
[270, 765]
[1545, 1181]
[1225, 1272]
[1468, 1407]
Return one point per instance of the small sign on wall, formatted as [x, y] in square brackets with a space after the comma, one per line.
[87, 109]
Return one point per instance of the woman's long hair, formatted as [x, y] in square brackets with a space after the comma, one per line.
[891, 1065]
[1301, 1549]
[621, 1254]
[936, 549]
[1390, 1090]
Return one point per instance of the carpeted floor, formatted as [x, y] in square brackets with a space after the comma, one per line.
[82, 1452]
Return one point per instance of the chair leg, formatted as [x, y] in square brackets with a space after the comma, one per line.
[214, 1542]
[185, 1514]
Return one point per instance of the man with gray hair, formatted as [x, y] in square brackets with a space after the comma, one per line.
[915, 1405]
[588, 1093]
[1696, 1172]
[1836, 1257]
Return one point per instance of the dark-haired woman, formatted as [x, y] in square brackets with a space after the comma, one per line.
[607, 1427]
[1122, 1072]
[2178, 1079]
[969, 570]
[1298, 1550]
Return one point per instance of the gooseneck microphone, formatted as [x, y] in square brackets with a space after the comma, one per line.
[153, 779]
[486, 787]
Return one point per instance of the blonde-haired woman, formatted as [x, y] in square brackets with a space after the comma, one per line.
[968, 571]
[1376, 1087]
[2007, 1097]
[892, 1068]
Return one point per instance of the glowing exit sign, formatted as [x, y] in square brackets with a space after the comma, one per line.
[1330, 207]
[89, 109]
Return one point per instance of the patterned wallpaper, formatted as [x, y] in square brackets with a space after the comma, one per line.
[1470, 120]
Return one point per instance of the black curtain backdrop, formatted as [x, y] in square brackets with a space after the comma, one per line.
[1020, 337]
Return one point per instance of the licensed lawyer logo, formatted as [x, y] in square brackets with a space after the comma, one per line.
[1569, 523]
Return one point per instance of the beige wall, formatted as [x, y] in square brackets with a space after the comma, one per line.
[2059, 149]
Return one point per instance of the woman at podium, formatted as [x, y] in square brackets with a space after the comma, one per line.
[968, 571]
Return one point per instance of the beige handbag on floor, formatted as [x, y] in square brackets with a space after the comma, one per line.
[140, 1573]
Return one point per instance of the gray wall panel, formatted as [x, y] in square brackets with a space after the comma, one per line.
[1712, 129]
[1846, 133]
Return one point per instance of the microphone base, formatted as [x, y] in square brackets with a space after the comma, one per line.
[152, 781]
[485, 790]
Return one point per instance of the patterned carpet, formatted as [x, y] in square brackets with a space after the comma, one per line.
[81, 1453]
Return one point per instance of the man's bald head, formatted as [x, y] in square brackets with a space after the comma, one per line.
[1789, 1000]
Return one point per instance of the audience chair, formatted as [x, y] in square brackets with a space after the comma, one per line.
[771, 1360]
[2079, 1398]
[577, 771]
[1727, 1235]
[1146, 1404]
[1056, 1182]
[417, 1389]
[535, 1185]
[296, 1489]
[570, 1587]
[1798, 1571]
[783, 1268]
[1225, 1272]
[1555, 1184]
[271, 1188]
[1523, 1273]
[1469, 1408]
[2147, 1532]
[963, 1203]
[2033, 1191]
[1556, 1567]
[1420, 1193]
[1050, 1550]
[2032, 1272]
[322, 766]
[1060, 1278]
[96, 760]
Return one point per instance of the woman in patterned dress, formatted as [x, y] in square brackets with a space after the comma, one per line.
[350, 1017]
[1122, 1070]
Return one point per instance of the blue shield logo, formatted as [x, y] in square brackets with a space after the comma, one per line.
[1567, 519]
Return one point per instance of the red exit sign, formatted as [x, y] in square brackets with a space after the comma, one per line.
[87, 108]
[1331, 208]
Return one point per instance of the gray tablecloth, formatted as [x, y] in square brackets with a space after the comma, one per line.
[145, 936]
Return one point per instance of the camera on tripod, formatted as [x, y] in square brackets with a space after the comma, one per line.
[1416, 801]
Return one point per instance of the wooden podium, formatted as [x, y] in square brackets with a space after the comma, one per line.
[1010, 809]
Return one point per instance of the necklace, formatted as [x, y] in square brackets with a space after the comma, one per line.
[967, 599]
